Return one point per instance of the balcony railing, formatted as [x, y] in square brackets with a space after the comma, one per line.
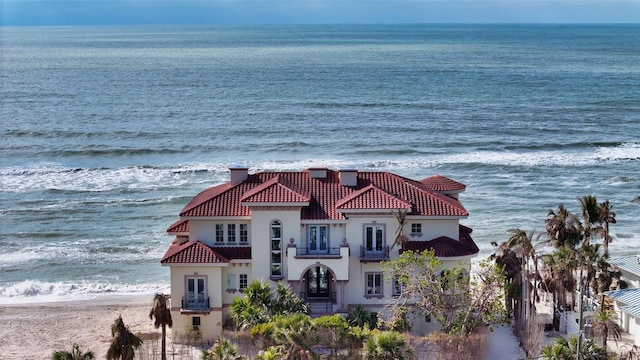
[374, 254]
[302, 251]
[195, 306]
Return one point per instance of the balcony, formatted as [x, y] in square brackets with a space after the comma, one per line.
[195, 307]
[368, 254]
[300, 259]
[306, 253]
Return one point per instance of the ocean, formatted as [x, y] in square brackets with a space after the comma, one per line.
[107, 132]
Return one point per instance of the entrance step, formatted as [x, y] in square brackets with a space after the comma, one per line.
[320, 307]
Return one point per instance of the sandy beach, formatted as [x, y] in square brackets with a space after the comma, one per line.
[34, 331]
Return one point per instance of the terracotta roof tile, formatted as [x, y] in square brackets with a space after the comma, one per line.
[371, 197]
[442, 184]
[444, 247]
[180, 226]
[274, 191]
[234, 252]
[323, 195]
[185, 252]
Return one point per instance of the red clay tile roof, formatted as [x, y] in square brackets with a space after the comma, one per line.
[274, 191]
[442, 184]
[185, 252]
[180, 226]
[234, 252]
[371, 197]
[182, 251]
[323, 194]
[444, 247]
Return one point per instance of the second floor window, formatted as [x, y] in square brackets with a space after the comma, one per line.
[244, 233]
[196, 292]
[374, 237]
[231, 233]
[219, 233]
[318, 238]
[276, 248]
[416, 228]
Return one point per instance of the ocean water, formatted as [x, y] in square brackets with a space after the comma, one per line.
[107, 132]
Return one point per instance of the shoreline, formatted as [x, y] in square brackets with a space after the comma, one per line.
[35, 330]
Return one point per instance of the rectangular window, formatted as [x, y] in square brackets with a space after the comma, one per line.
[195, 321]
[244, 233]
[416, 228]
[244, 281]
[231, 233]
[374, 284]
[374, 237]
[231, 281]
[195, 293]
[318, 242]
[276, 249]
[219, 233]
[397, 287]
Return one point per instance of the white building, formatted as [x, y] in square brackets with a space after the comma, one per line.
[322, 232]
[626, 302]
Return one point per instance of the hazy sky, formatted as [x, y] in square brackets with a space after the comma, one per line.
[100, 12]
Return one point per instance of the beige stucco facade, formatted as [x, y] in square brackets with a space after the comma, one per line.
[282, 246]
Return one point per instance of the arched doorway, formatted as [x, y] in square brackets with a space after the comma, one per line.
[318, 280]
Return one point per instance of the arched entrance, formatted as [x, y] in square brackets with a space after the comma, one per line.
[318, 282]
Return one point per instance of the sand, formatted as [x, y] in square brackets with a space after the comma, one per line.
[34, 331]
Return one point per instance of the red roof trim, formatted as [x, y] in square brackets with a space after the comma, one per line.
[180, 226]
[274, 191]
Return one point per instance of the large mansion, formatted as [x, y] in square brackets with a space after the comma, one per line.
[323, 232]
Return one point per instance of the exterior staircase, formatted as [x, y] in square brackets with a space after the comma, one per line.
[320, 307]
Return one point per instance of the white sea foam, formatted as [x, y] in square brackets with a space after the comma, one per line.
[52, 176]
[34, 291]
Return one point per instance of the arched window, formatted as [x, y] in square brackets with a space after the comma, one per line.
[276, 248]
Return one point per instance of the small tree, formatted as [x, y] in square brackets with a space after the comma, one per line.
[459, 302]
[75, 354]
[162, 315]
[123, 343]
[605, 325]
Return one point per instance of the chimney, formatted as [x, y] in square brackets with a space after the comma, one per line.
[349, 177]
[318, 172]
[239, 173]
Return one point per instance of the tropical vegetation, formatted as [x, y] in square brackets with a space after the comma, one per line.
[123, 342]
[76, 353]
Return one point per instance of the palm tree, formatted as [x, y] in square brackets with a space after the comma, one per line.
[223, 349]
[563, 228]
[75, 354]
[559, 269]
[162, 315]
[401, 238]
[605, 324]
[521, 244]
[123, 343]
[606, 217]
[590, 216]
[388, 345]
[293, 333]
[565, 349]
